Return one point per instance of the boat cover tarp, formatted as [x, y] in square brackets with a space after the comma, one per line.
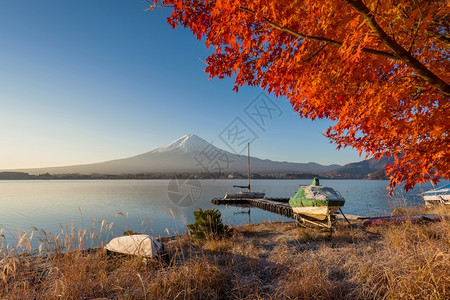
[138, 244]
[316, 195]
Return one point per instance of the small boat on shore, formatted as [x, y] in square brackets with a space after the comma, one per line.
[316, 201]
[437, 196]
[387, 220]
[138, 244]
[245, 194]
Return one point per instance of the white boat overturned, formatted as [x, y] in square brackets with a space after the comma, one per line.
[137, 244]
[439, 195]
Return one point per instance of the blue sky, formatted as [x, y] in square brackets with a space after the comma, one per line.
[88, 81]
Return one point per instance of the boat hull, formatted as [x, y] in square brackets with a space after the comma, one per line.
[436, 200]
[437, 196]
[139, 244]
[316, 201]
[379, 221]
[316, 212]
[244, 195]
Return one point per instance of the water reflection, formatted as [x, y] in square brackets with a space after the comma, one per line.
[145, 205]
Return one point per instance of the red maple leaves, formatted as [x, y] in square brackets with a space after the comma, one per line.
[378, 68]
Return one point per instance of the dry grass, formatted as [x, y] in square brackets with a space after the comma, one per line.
[260, 261]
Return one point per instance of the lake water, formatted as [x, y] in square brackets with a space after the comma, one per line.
[157, 206]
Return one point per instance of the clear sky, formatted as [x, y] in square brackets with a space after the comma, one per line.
[88, 81]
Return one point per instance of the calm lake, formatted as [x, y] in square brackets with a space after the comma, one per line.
[162, 207]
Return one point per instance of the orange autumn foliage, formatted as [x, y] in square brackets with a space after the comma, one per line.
[377, 68]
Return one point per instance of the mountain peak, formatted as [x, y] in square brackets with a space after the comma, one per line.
[186, 143]
[189, 153]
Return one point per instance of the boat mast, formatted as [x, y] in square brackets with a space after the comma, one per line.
[246, 186]
[248, 147]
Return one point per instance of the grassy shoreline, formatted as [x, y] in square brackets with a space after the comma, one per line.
[259, 261]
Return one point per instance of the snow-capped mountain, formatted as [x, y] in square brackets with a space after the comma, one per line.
[186, 143]
[189, 153]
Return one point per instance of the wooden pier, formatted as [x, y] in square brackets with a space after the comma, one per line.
[276, 205]
[281, 206]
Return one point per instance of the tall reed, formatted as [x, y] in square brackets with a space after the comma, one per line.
[260, 261]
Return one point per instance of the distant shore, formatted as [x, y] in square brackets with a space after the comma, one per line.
[184, 175]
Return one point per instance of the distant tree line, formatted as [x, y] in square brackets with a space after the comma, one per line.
[181, 175]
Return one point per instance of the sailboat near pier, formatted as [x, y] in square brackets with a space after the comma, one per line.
[249, 194]
[313, 204]
[250, 198]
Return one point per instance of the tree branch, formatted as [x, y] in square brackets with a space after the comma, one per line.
[318, 38]
[295, 33]
[400, 52]
[316, 52]
[416, 31]
[440, 37]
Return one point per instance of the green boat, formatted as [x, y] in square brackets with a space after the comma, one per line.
[316, 201]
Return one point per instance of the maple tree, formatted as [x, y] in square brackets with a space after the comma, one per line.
[377, 68]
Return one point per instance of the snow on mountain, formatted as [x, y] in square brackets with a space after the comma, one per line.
[186, 143]
[189, 153]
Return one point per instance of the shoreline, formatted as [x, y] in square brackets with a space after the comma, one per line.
[13, 175]
[267, 260]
